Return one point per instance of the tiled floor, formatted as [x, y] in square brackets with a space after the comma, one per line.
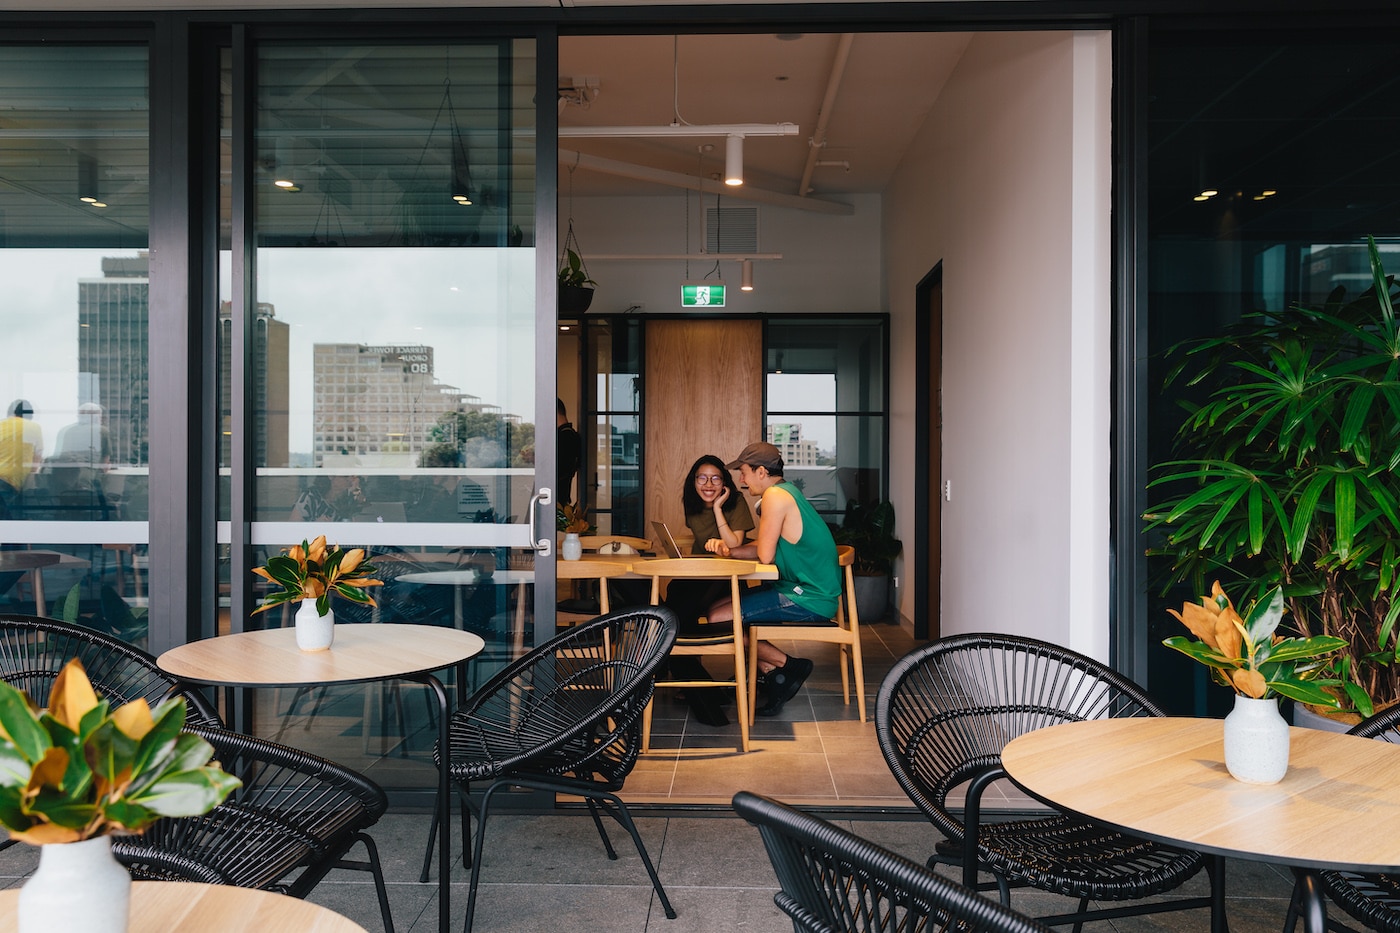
[544, 873]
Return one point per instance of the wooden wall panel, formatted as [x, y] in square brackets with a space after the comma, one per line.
[703, 395]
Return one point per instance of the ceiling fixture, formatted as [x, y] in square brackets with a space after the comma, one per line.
[734, 160]
[746, 273]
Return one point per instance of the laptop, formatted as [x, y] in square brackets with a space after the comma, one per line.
[668, 543]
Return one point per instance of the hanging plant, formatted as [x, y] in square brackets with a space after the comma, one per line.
[575, 284]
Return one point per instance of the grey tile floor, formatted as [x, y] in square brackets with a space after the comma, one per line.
[544, 872]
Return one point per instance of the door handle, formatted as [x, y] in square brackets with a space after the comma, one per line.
[543, 546]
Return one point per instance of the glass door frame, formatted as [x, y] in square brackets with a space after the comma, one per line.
[242, 535]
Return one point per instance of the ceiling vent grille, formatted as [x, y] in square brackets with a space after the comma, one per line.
[731, 230]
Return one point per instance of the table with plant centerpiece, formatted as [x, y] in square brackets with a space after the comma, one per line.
[1337, 807]
[360, 654]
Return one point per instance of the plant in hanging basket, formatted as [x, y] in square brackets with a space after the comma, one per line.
[315, 571]
[1250, 657]
[575, 285]
[80, 769]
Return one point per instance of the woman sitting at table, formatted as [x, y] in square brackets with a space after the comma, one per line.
[714, 510]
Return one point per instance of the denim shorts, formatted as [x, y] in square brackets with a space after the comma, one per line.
[766, 604]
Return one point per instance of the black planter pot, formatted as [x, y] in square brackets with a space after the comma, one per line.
[574, 300]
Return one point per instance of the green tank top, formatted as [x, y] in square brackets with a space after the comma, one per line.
[807, 571]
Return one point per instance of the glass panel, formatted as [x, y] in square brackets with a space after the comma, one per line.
[74, 223]
[825, 407]
[392, 353]
[615, 456]
[1273, 128]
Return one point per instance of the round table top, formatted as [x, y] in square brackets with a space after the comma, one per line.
[361, 652]
[1164, 778]
[27, 560]
[185, 907]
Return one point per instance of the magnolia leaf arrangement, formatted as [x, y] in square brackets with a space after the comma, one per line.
[573, 519]
[315, 571]
[1250, 657]
[81, 769]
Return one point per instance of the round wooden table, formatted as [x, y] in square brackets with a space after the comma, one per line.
[361, 653]
[185, 907]
[1338, 807]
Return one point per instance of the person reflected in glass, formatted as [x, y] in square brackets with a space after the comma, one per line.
[21, 453]
[569, 452]
[82, 453]
[335, 498]
[715, 510]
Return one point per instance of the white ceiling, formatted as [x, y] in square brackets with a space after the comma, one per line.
[886, 88]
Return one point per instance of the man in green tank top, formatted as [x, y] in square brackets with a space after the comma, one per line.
[793, 536]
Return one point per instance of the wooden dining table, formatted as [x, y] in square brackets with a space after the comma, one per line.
[188, 907]
[1337, 807]
[361, 653]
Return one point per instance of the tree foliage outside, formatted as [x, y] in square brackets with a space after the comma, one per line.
[479, 439]
[1289, 473]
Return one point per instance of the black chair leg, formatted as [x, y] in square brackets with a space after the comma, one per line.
[602, 831]
[432, 838]
[478, 847]
[380, 890]
[618, 811]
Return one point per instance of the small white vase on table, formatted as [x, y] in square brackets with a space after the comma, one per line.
[1251, 658]
[309, 573]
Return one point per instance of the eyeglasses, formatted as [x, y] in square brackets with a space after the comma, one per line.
[709, 479]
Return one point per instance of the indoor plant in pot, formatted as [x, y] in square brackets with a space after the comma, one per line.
[575, 286]
[1249, 656]
[79, 772]
[870, 530]
[309, 574]
[1289, 473]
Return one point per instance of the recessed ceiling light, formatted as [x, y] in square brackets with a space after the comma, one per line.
[1209, 193]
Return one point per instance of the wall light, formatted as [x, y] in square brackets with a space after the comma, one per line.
[734, 160]
[746, 280]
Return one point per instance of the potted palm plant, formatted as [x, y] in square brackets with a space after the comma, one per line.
[1288, 475]
[79, 772]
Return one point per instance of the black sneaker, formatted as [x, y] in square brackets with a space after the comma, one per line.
[783, 684]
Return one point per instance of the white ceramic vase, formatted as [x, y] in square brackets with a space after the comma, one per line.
[78, 886]
[315, 632]
[1256, 741]
[572, 549]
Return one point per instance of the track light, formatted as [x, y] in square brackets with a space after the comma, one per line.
[746, 279]
[734, 160]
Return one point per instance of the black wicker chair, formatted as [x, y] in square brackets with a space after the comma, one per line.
[33, 650]
[942, 717]
[566, 719]
[1372, 900]
[294, 819]
[832, 880]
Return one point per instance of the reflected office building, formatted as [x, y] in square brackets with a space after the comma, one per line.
[378, 406]
[114, 315]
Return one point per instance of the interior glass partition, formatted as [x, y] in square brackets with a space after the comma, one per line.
[826, 409]
[74, 232]
[389, 350]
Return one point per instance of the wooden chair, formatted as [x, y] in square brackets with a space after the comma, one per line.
[844, 630]
[585, 569]
[614, 544]
[727, 642]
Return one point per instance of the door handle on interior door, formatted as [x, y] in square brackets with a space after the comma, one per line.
[543, 546]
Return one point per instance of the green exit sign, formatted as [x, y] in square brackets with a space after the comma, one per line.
[702, 296]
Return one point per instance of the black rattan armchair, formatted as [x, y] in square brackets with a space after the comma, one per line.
[942, 717]
[294, 819]
[1372, 900]
[33, 650]
[832, 880]
[566, 719]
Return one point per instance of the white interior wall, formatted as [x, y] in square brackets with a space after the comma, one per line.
[830, 264]
[1007, 185]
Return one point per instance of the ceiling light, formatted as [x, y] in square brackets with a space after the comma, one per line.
[285, 183]
[734, 160]
[1209, 193]
[746, 280]
[99, 203]
[1201, 197]
[86, 199]
[1268, 192]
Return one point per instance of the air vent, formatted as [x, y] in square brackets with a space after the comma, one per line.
[731, 230]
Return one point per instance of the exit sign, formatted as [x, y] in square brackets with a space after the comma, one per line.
[702, 296]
